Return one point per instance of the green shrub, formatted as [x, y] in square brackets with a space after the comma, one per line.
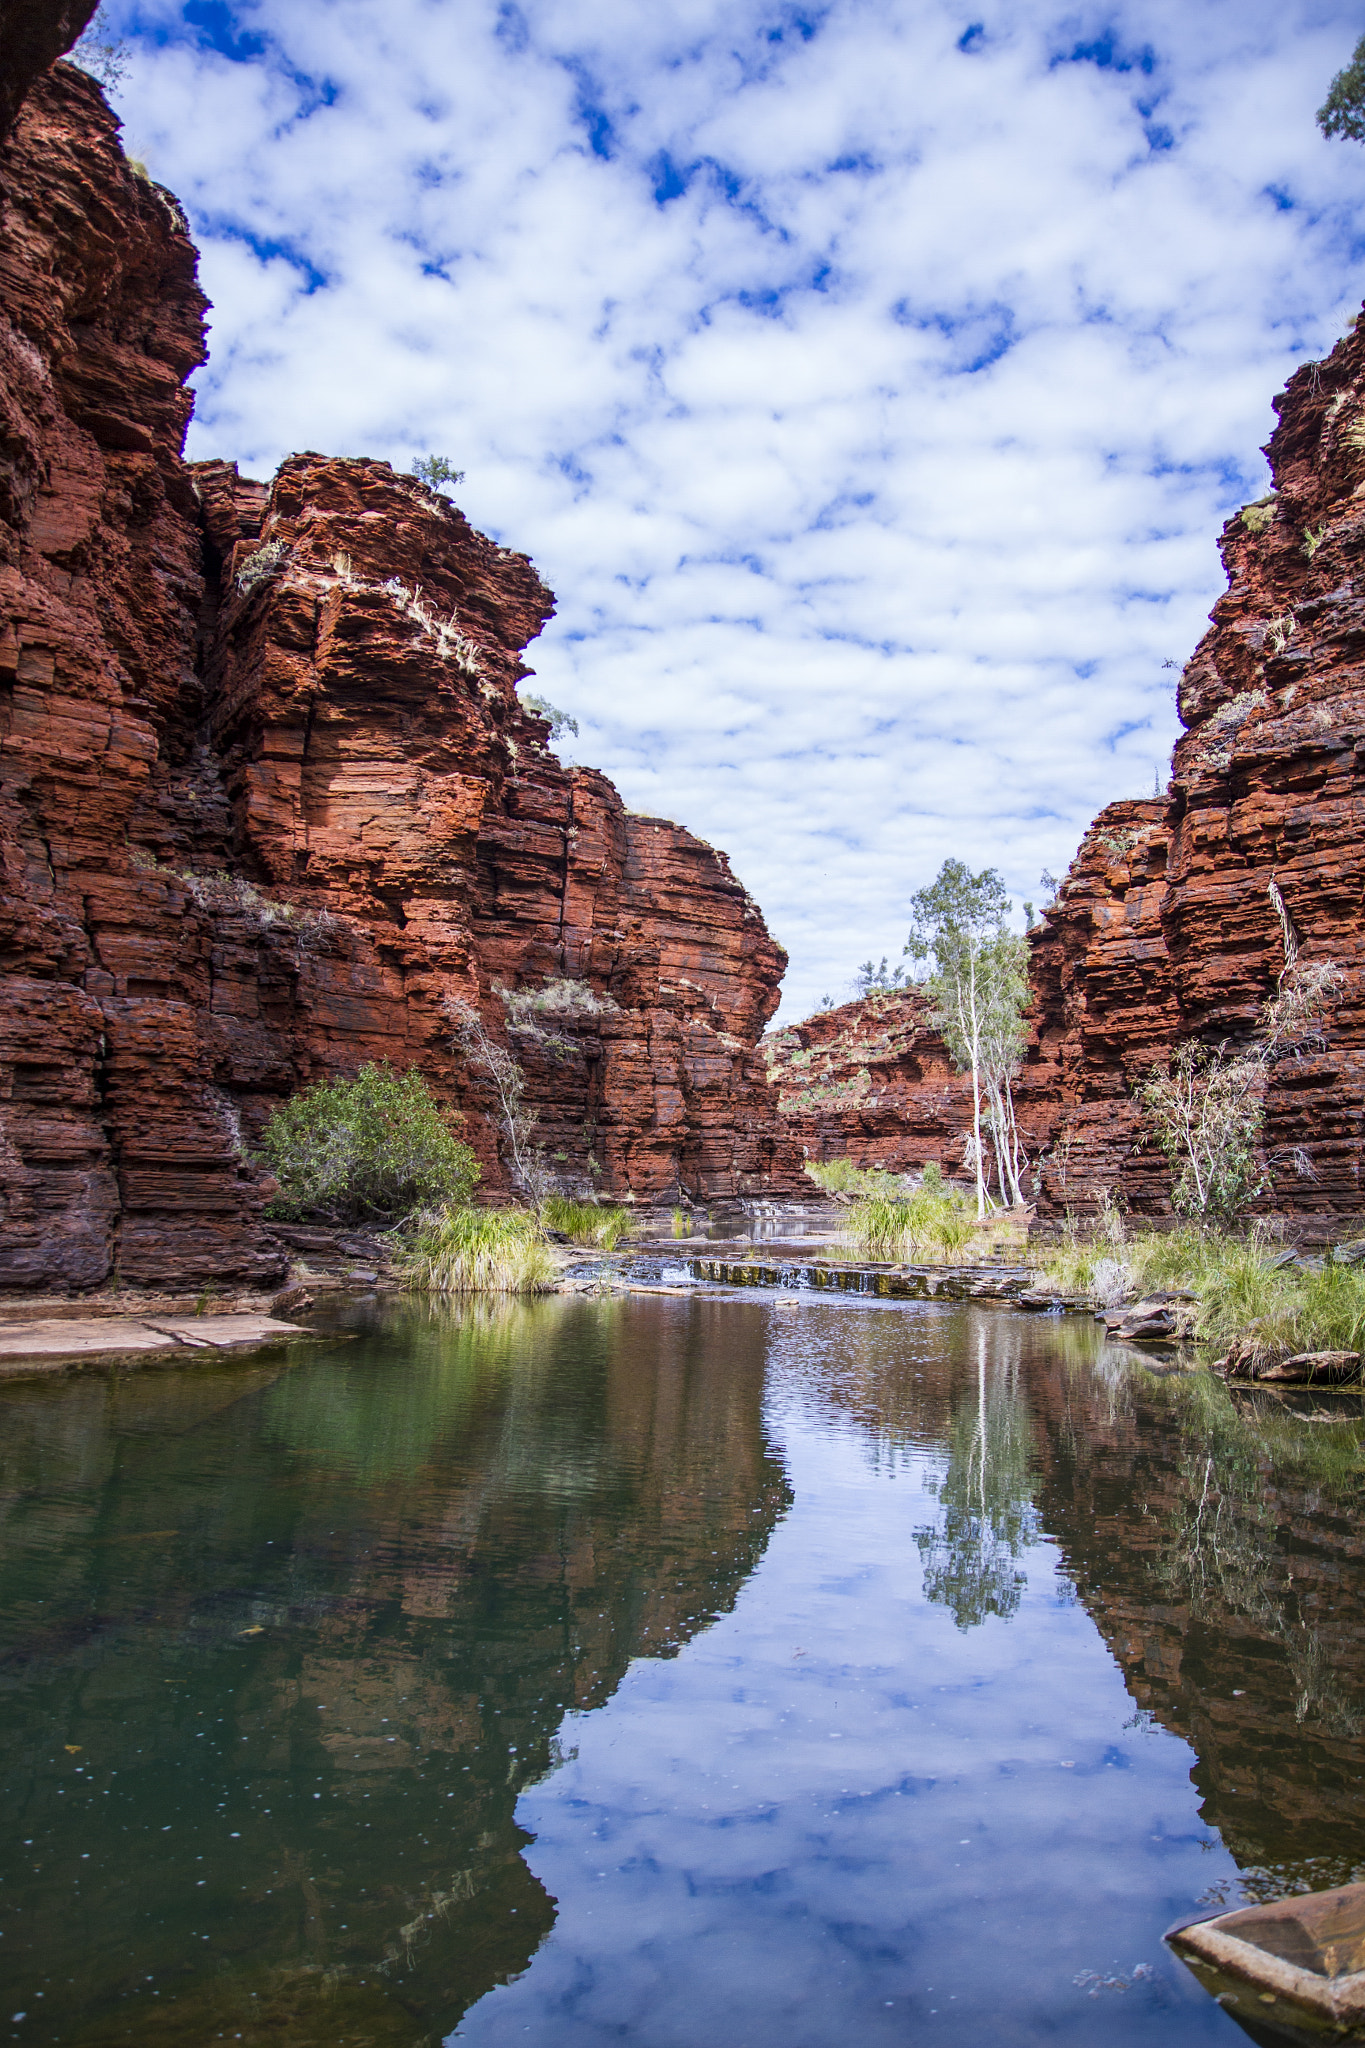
[584, 1223]
[479, 1251]
[377, 1146]
[842, 1177]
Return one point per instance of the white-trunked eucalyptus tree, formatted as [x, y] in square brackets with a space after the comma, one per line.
[978, 983]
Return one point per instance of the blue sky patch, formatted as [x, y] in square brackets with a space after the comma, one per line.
[1107, 53]
[864, 405]
[218, 29]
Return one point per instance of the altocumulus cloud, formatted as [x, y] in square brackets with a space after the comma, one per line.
[869, 379]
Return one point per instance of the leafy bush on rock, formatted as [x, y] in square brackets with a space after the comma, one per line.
[375, 1146]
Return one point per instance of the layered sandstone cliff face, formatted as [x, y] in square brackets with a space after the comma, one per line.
[268, 797]
[872, 1082]
[1166, 928]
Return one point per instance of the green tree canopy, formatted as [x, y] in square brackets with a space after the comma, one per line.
[1343, 110]
[435, 471]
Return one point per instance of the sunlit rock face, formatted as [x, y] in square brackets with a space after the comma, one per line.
[872, 1082]
[258, 821]
[1165, 928]
[380, 769]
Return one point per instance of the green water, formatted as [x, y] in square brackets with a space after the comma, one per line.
[662, 1671]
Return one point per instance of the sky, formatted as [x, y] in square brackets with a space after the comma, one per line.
[868, 379]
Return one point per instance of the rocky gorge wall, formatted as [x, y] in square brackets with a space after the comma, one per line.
[1165, 927]
[871, 1081]
[268, 797]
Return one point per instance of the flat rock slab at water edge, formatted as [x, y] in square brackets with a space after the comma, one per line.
[55, 1345]
[1155, 1318]
[1305, 1368]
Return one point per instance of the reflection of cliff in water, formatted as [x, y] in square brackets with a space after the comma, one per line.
[1215, 1537]
[310, 1634]
[1216, 1540]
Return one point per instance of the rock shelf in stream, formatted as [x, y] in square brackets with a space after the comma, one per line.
[902, 1283]
[65, 1344]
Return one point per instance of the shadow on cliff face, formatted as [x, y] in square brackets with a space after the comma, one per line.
[281, 1648]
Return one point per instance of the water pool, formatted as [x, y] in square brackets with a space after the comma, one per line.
[664, 1671]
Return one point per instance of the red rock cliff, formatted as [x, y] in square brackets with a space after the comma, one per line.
[1165, 927]
[872, 1082]
[267, 795]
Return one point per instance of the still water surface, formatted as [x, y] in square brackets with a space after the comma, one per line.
[663, 1671]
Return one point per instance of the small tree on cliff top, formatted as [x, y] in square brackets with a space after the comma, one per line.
[870, 979]
[100, 53]
[436, 471]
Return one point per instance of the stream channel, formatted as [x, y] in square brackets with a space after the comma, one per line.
[665, 1671]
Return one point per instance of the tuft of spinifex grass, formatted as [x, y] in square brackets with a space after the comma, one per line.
[584, 1223]
[1244, 1299]
[927, 1224]
[479, 1251]
[1275, 1314]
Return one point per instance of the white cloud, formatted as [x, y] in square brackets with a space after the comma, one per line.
[870, 402]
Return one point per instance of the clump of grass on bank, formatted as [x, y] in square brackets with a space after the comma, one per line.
[1276, 1314]
[1244, 1297]
[1108, 1265]
[930, 1224]
[585, 1223]
[479, 1251]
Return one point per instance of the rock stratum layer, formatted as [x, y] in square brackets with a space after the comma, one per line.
[268, 798]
